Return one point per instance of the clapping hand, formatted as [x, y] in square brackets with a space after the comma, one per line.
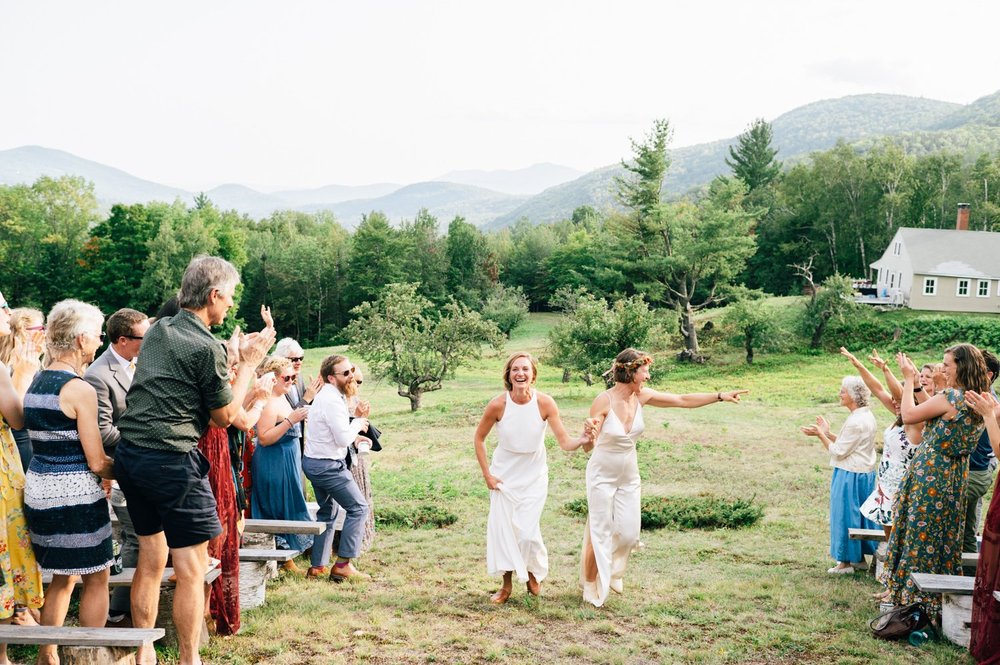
[26, 358]
[263, 386]
[363, 409]
[985, 403]
[254, 347]
[298, 415]
[906, 366]
[313, 386]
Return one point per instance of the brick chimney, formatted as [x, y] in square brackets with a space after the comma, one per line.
[962, 221]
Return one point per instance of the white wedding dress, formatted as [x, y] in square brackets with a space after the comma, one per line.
[613, 505]
[513, 535]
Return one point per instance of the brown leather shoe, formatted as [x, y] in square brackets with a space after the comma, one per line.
[501, 596]
[533, 585]
[290, 567]
[317, 571]
[347, 572]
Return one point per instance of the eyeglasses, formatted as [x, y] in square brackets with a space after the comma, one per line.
[133, 336]
[347, 372]
[296, 359]
[289, 378]
[359, 381]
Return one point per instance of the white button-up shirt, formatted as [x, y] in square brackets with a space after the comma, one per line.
[331, 431]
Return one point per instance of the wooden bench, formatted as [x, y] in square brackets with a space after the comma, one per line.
[283, 526]
[956, 603]
[878, 535]
[255, 571]
[128, 574]
[84, 646]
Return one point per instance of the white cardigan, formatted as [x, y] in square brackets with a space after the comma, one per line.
[854, 449]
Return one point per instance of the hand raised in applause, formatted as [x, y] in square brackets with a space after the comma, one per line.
[363, 409]
[233, 347]
[254, 347]
[26, 358]
[265, 315]
[850, 357]
[313, 386]
[907, 367]
[877, 360]
[985, 404]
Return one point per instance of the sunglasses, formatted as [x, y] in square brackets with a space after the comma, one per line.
[133, 336]
[347, 372]
[4, 306]
[36, 328]
[359, 381]
[296, 359]
[290, 378]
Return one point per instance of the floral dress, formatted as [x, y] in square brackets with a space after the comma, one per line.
[930, 506]
[20, 576]
[897, 453]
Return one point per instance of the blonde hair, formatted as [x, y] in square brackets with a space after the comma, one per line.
[21, 318]
[67, 320]
[276, 364]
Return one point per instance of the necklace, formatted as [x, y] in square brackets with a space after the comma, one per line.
[76, 370]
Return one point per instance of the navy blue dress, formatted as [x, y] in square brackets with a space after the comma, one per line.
[277, 487]
[64, 504]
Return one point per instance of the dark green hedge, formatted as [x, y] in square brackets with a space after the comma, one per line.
[689, 512]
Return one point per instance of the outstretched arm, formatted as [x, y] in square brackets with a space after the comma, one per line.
[688, 400]
[871, 381]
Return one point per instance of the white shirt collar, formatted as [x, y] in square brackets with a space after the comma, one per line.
[121, 361]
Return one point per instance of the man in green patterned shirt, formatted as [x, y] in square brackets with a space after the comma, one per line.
[180, 385]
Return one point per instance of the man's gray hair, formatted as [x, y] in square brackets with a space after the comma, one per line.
[857, 389]
[202, 275]
[286, 347]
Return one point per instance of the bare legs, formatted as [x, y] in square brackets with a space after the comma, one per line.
[145, 596]
[501, 596]
[93, 606]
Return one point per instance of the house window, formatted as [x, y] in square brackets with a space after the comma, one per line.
[930, 286]
[897, 248]
[983, 288]
[892, 280]
[963, 288]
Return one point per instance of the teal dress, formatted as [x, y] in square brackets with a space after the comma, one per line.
[930, 508]
[277, 492]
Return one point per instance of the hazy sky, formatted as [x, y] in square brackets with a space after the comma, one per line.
[297, 93]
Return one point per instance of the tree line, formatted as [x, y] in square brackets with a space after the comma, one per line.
[838, 209]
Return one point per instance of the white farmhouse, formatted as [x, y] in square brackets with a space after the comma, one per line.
[948, 270]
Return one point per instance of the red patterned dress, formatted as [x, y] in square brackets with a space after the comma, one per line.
[985, 644]
[224, 602]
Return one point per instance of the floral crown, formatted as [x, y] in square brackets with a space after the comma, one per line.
[633, 365]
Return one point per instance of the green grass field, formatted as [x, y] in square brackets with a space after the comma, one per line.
[758, 595]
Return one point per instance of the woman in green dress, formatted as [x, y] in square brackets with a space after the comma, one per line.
[927, 534]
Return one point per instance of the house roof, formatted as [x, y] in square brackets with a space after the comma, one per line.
[950, 253]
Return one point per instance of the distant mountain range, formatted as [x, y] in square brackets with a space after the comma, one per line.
[549, 192]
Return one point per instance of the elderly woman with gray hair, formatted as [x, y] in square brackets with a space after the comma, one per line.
[852, 456]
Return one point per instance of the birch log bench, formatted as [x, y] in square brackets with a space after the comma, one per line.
[258, 559]
[956, 603]
[85, 646]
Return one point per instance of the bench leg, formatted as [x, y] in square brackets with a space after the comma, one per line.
[956, 618]
[261, 541]
[253, 583]
[97, 655]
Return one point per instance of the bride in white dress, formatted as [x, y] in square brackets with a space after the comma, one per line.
[613, 485]
[518, 477]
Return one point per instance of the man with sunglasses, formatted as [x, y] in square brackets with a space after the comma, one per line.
[331, 432]
[111, 376]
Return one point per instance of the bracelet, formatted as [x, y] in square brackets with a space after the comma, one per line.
[290, 424]
[718, 396]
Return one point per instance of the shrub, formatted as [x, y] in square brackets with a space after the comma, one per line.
[424, 516]
[689, 512]
[915, 334]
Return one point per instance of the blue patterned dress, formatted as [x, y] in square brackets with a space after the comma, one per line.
[64, 503]
[277, 488]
